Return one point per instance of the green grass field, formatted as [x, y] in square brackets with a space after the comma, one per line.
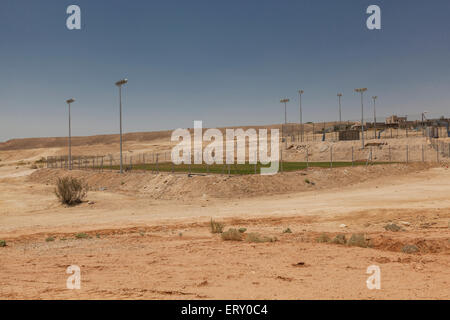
[240, 169]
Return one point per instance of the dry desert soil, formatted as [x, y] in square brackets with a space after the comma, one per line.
[147, 236]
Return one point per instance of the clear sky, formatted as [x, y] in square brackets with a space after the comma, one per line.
[225, 62]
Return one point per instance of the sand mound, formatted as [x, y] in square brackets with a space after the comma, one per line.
[184, 187]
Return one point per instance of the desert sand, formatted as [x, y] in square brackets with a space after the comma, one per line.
[148, 234]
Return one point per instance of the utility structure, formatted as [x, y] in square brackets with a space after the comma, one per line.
[362, 90]
[120, 83]
[374, 98]
[69, 102]
[285, 101]
[339, 95]
[300, 92]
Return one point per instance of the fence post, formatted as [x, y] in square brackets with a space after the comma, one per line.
[407, 154]
[423, 154]
[157, 163]
[307, 158]
[390, 155]
[256, 160]
[437, 152]
[331, 156]
[352, 156]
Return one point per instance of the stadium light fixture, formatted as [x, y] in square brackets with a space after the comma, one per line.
[374, 98]
[120, 83]
[362, 90]
[300, 92]
[285, 101]
[69, 102]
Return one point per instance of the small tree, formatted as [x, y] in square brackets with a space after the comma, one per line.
[70, 191]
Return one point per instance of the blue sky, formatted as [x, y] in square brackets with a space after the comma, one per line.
[223, 62]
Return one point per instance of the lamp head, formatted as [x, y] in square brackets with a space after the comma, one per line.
[284, 100]
[301, 91]
[70, 101]
[121, 82]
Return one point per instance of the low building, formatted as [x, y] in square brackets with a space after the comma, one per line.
[396, 120]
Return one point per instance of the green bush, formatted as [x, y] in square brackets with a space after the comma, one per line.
[81, 236]
[70, 191]
[2, 243]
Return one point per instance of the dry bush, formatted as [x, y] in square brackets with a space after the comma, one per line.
[70, 191]
[339, 239]
[358, 240]
[256, 237]
[323, 238]
[232, 235]
[216, 227]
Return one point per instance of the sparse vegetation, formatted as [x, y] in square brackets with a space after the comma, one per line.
[358, 240]
[232, 235]
[307, 181]
[70, 191]
[287, 230]
[242, 230]
[392, 227]
[410, 249]
[81, 236]
[323, 238]
[339, 239]
[2, 243]
[256, 237]
[216, 227]
[49, 239]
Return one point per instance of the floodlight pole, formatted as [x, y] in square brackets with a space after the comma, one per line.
[70, 135]
[374, 117]
[285, 101]
[119, 84]
[339, 97]
[362, 90]
[300, 92]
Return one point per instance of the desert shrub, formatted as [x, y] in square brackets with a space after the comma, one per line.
[242, 230]
[2, 243]
[287, 230]
[81, 236]
[392, 227]
[339, 239]
[232, 235]
[410, 249]
[216, 227]
[256, 237]
[323, 238]
[70, 191]
[49, 239]
[358, 240]
[307, 181]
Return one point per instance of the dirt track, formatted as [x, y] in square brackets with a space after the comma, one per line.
[154, 247]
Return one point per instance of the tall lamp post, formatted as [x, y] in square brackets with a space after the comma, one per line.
[374, 117]
[339, 98]
[300, 92]
[362, 90]
[70, 135]
[285, 101]
[120, 83]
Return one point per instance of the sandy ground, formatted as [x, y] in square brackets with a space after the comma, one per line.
[147, 244]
